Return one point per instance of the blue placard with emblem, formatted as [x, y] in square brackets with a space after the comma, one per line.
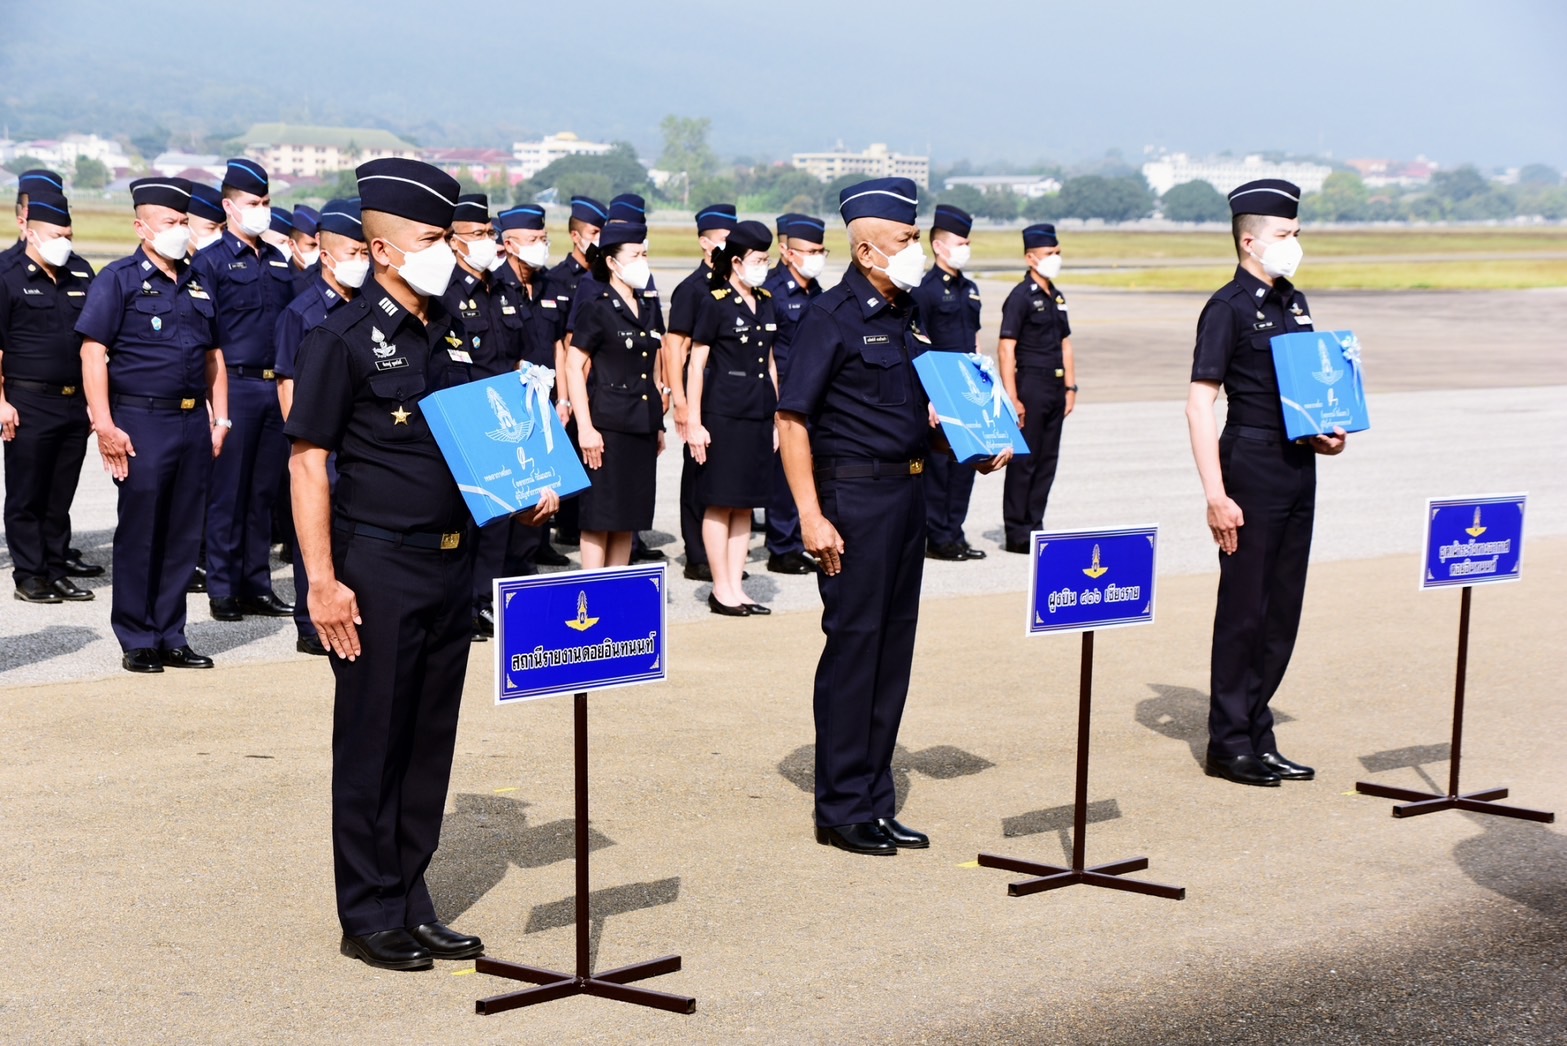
[1473, 541]
[1085, 580]
[575, 632]
[503, 442]
[973, 407]
[1320, 383]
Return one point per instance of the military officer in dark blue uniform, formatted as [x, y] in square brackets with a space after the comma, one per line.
[304, 246]
[793, 284]
[150, 356]
[854, 428]
[251, 283]
[1034, 358]
[1260, 487]
[713, 226]
[949, 306]
[43, 412]
[206, 216]
[390, 560]
[36, 180]
[342, 268]
[584, 228]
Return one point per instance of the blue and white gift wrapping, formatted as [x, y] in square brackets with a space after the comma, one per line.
[972, 405]
[1320, 383]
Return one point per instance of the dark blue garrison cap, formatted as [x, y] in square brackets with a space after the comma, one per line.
[341, 217]
[306, 219]
[527, 216]
[206, 201]
[46, 205]
[802, 227]
[895, 199]
[173, 193]
[246, 175]
[410, 189]
[472, 207]
[782, 221]
[1039, 236]
[628, 207]
[953, 219]
[1272, 196]
[587, 209]
[282, 220]
[38, 179]
[622, 232]
[748, 236]
[715, 216]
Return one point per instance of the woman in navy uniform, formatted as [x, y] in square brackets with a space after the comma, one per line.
[733, 392]
[1261, 489]
[618, 408]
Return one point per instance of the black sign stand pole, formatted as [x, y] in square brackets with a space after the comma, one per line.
[1418, 803]
[611, 984]
[1106, 875]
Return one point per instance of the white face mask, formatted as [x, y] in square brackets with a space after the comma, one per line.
[208, 240]
[351, 273]
[636, 273]
[55, 252]
[754, 274]
[709, 246]
[958, 255]
[534, 255]
[906, 268]
[1281, 258]
[481, 253]
[172, 242]
[308, 258]
[1049, 266]
[429, 271]
[811, 265]
[255, 220]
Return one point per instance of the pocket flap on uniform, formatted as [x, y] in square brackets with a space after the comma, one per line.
[881, 355]
[399, 385]
[151, 303]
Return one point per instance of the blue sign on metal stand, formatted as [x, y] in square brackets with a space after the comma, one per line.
[1473, 541]
[575, 632]
[1091, 579]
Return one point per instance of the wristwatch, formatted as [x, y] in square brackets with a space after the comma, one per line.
[227, 423]
[1071, 388]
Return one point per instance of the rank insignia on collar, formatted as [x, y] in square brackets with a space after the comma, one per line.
[388, 306]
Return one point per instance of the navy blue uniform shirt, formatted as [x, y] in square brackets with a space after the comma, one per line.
[251, 291]
[532, 311]
[790, 300]
[737, 382]
[622, 396]
[851, 374]
[303, 315]
[1233, 345]
[1037, 319]
[686, 298]
[949, 308]
[158, 330]
[361, 375]
[38, 321]
[479, 301]
[588, 288]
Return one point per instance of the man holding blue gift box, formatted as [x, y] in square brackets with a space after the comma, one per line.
[1260, 486]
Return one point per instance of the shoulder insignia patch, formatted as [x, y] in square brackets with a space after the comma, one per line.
[721, 293]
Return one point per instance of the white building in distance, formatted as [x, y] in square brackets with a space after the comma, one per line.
[305, 151]
[529, 158]
[874, 162]
[61, 154]
[1225, 173]
[1028, 186]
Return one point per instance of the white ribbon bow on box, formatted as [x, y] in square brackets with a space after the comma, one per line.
[537, 383]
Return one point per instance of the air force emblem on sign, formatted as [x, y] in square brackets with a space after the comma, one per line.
[972, 392]
[510, 430]
[1096, 571]
[582, 622]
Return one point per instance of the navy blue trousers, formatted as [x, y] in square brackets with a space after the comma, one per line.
[1026, 490]
[159, 528]
[869, 613]
[42, 466]
[245, 482]
[949, 485]
[691, 509]
[302, 620]
[783, 518]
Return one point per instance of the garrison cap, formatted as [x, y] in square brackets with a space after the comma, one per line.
[409, 189]
[895, 199]
[622, 232]
[306, 219]
[206, 201]
[628, 207]
[748, 236]
[173, 193]
[525, 216]
[587, 209]
[781, 221]
[953, 219]
[1271, 196]
[341, 217]
[715, 216]
[282, 220]
[46, 205]
[802, 227]
[246, 175]
[1043, 235]
[39, 179]
[472, 207]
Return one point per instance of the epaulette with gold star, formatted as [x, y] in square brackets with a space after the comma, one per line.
[720, 293]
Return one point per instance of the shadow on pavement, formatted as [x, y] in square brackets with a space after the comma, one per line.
[939, 762]
[615, 900]
[1181, 714]
[53, 641]
[1414, 757]
[1522, 861]
[1058, 819]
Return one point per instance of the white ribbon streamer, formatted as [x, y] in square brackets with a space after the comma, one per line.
[537, 383]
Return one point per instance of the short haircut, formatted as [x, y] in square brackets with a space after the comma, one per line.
[1246, 225]
[577, 225]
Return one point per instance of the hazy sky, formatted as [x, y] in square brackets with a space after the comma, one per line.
[984, 79]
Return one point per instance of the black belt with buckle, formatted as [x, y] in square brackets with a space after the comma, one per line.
[263, 373]
[155, 402]
[851, 468]
[1254, 433]
[44, 386]
[406, 538]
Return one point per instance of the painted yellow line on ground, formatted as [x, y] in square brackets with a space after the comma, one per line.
[969, 864]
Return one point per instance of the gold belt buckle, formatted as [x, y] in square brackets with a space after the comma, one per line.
[69, 390]
[450, 541]
[916, 466]
[187, 404]
[269, 375]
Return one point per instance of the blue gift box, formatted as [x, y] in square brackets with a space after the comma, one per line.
[974, 409]
[503, 442]
[1320, 384]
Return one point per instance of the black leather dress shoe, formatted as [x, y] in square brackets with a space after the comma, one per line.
[184, 657]
[648, 555]
[698, 572]
[268, 605]
[725, 610]
[866, 838]
[1020, 547]
[971, 552]
[757, 609]
[76, 566]
[146, 660]
[389, 950]
[1242, 769]
[1287, 769]
[36, 590]
[550, 556]
[443, 942]
[791, 563]
[483, 623]
[902, 835]
[225, 609]
[70, 590]
[311, 644]
[953, 553]
[198, 581]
